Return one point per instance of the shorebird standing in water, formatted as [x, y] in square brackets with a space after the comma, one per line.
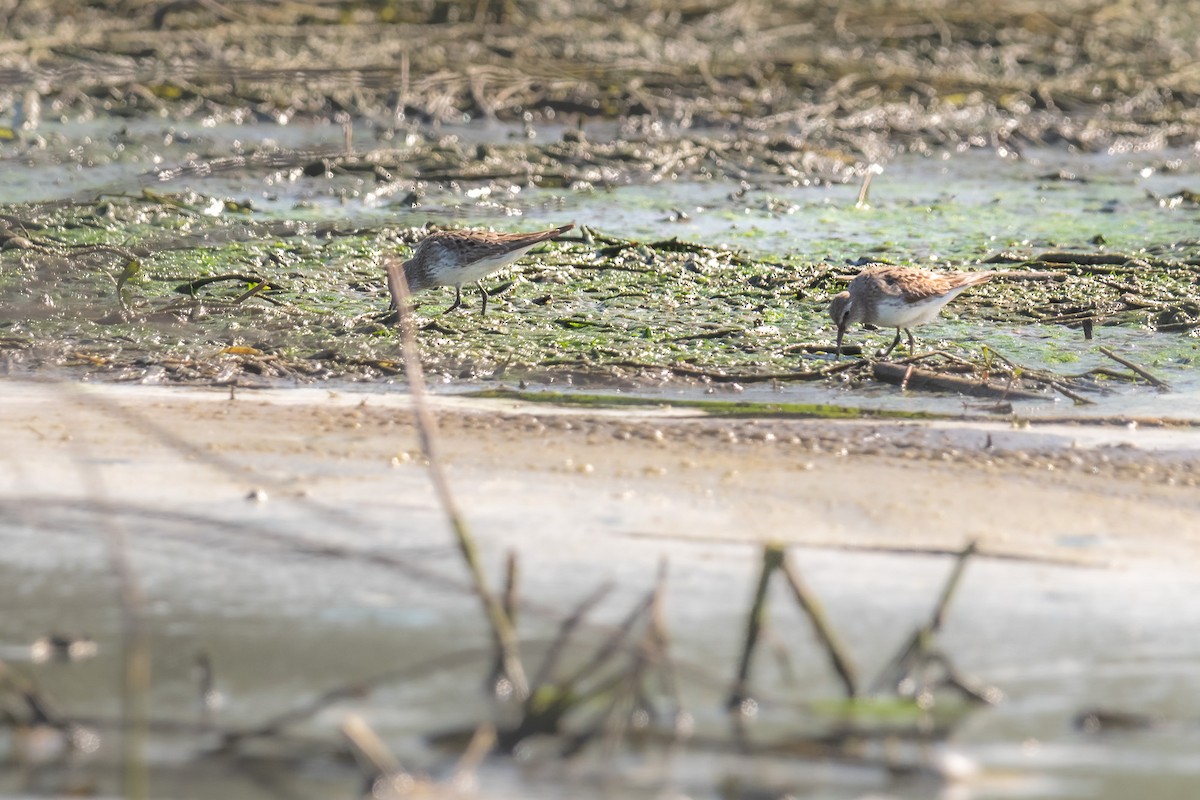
[452, 258]
[898, 297]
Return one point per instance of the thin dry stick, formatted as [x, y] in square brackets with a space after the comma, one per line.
[483, 741]
[939, 612]
[1061, 388]
[350, 691]
[1139, 370]
[771, 560]
[544, 711]
[650, 651]
[612, 645]
[825, 632]
[865, 189]
[229, 467]
[565, 630]
[660, 641]
[917, 647]
[135, 647]
[502, 627]
[510, 608]
[370, 750]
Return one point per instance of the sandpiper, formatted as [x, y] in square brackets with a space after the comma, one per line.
[897, 297]
[452, 258]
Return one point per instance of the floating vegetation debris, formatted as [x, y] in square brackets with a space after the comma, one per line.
[239, 299]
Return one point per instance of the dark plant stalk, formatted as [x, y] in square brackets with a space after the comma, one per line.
[812, 607]
[772, 558]
[502, 627]
[135, 645]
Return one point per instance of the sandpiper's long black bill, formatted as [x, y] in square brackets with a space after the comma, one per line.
[841, 333]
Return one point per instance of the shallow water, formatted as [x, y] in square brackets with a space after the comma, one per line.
[289, 598]
[1058, 640]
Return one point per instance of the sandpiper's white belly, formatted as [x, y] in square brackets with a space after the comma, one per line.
[893, 312]
[478, 270]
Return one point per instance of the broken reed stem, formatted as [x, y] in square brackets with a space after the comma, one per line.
[772, 558]
[510, 608]
[838, 655]
[864, 190]
[629, 693]
[135, 653]
[1136, 368]
[135, 646]
[612, 645]
[333, 516]
[939, 613]
[1075, 397]
[660, 641]
[354, 690]
[565, 630]
[502, 627]
[483, 741]
[918, 646]
[370, 751]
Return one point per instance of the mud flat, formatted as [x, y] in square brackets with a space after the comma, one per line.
[669, 472]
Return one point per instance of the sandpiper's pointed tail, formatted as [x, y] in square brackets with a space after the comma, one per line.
[973, 278]
[542, 236]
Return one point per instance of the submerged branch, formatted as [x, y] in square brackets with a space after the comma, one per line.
[1136, 368]
[910, 377]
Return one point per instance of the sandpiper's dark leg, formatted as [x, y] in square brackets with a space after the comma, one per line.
[912, 348]
[483, 293]
[892, 346]
[457, 300]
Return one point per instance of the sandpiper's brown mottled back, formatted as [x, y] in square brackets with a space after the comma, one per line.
[898, 297]
[452, 258]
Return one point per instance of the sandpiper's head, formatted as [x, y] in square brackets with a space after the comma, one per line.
[843, 311]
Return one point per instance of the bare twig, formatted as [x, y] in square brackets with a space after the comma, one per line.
[918, 648]
[502, 627]
[371, 752]
[912, 378]
[825, 632]
[477, 749]
[660, 641]
[864, 190]
[772, 558]
[943, 605]
[1136, 368]
[135, 645]
[1063, 389]
[510, 608]
[568, 626]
